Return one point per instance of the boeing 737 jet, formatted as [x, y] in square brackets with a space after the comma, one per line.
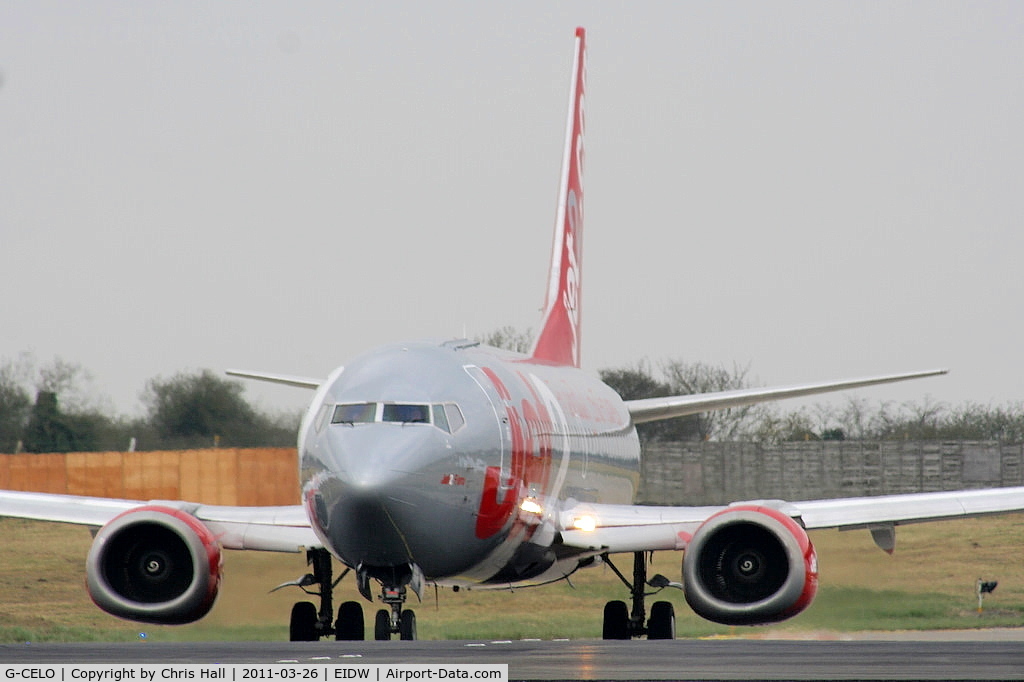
[455, 464]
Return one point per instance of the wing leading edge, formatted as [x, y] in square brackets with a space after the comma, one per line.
[653, 409]
[272, 529]
[273, 378]
[625, 528]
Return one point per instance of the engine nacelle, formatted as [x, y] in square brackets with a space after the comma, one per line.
[749, 565]
[154, 564]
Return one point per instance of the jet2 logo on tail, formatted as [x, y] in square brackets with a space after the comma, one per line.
[574, 216]
[559, 339]
[571, 295]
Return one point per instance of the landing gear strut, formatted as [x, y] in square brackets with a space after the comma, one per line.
[308, 623]
[621, 622]
[394, 621]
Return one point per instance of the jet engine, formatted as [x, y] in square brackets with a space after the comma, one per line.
[749, 565]
[154, 564]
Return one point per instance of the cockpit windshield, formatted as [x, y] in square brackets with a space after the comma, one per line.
[418, 414]
[445, 416]
[359, 413]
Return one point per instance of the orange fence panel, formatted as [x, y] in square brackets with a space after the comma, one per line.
[45, 473]
[228, 476]
[97, 474]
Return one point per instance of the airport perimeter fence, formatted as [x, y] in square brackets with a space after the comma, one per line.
[678, 473]
[694, 473]
[229, 476]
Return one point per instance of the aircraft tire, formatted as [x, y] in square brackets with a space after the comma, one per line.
[302, 626]
[616, 621]
[382, 626]
[662, 623]
[407, 626]
[349, 626]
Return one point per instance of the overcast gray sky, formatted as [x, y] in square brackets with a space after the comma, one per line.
[819, 189]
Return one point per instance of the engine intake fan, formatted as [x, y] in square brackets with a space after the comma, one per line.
[156, 565]
[749, 565]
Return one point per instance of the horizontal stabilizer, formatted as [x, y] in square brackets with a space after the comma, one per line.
[653, 409]
[286, 379]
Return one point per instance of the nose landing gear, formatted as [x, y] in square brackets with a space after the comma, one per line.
[395, 621]
[395, 582]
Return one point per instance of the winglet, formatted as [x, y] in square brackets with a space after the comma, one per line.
[559, 339]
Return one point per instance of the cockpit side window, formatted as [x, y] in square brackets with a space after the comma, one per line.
[396, 412]
[455, 419]
[440, 421]
[321, 417]
[358, 413]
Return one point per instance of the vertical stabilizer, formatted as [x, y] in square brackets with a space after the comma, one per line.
[559, 338]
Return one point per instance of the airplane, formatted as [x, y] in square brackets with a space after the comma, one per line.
[454, 464]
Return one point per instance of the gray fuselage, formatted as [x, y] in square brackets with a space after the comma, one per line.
[456, 458]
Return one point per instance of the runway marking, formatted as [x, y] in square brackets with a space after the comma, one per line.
[320, 658]
[288, 660]
[502, 641]
[476, 645]
[351, 655]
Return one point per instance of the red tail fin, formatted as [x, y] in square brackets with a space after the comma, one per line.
[559, 338]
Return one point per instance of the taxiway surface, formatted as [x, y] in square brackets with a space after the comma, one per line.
[992, 655]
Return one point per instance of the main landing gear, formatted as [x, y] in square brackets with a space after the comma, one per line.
[309, 624]
[621, 622]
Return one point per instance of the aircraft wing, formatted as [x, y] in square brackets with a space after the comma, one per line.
[276, 529]
[866, 512]
[634, 528]
[630, 528]
[274, 378]
[653, 409]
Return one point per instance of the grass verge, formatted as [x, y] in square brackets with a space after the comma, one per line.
[927, 584]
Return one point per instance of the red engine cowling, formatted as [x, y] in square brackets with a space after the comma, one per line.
[154, 564]
[749, 565]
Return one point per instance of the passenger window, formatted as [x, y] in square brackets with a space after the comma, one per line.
[419, 414]
[455, 419]
[359, 413]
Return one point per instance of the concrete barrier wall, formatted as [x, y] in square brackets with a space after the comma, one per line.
[718, 473]
[232, 476]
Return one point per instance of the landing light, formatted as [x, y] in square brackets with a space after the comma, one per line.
[531, 506]
[585, 523]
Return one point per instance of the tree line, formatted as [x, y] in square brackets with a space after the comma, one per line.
[52, 408]
[855, 419]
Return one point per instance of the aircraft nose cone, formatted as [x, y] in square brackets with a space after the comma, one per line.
[381, 493]
[363, 526]
[376, 484]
